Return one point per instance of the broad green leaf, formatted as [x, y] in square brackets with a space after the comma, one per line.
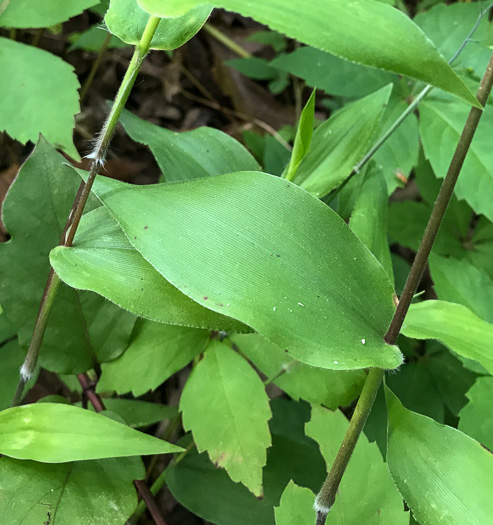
[340, 142]
[440, 125]
[127, 21]
[296, 507]
[156, 352]
[475, 417]
[362, 31]
[103, 260]
[444, 475]
[369, 218]
[198, 485]
[448, 26]
[316, 385]
[366, 494]
[31, 102]
[191, 154]
[56, 433]
[100, 492]
[303, 137]
[138, 413]
[309, 285]
[225, 397]
[31, 13]
[332, 74]
[459, 281]
[480, 253]
[453, 325]
[34, 213]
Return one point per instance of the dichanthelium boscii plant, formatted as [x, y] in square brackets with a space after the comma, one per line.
[240, 271]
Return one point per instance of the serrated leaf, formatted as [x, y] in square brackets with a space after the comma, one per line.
[31, 14]
[156, 352]
[475, 417]
[303, 138]
[56, 433]
[102, 260]
[369, 218]
[440, 126]
[30, 102]
[34, 212]
[296, 506]
[316, 385]
[224, 398]
[340, 142]
[444, 475]
[362, 31]
[455, 326]
[366, 494]
[127, 21]
[99, 492]
[192, 154]
[335, 322]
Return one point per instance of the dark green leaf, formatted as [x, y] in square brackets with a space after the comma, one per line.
[291, 241]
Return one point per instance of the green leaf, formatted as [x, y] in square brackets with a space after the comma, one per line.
[225, 397]
[366, 494]
[99, 492]
[448, 26]
[155, 353]
[340, 142]
[34, 212]
[458, 281]
[316, 385]
[444, 475]
[303, 137]
[346, 79]
[440, 126]
[138, 413]
[30, 13]
[362, 31]
[127, 21]
[369, 217]
[292, 242]
[31, 102]
[253, 67]
[475, 417]
[103, 260]
[56, 433]
[296, 507]
[191, 154]
[93, 40]
[453, 325]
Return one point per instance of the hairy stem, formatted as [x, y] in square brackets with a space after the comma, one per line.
[327, 494]
[97, 156]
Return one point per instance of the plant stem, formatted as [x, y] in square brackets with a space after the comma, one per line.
[97, 156]
[327, 494]
[225, 40]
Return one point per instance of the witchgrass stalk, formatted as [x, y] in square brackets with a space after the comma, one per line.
[98, 156]
[327, 494]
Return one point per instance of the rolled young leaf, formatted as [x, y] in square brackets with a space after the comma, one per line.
[444, 475]
[261, 250]
[57, 433]
[363, 31]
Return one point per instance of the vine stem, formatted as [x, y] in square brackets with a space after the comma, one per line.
[97, 155]
[327, 494]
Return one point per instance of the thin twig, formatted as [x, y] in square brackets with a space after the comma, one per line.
[327, 494]
[95, 66]
[226, 41]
